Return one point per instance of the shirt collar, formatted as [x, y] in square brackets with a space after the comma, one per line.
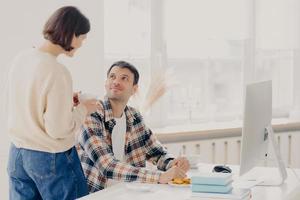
[108, 113]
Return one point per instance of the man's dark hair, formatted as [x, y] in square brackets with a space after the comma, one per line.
[130, 67]
[63, 24]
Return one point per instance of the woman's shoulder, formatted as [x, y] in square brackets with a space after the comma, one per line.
[35, 62]
[48, 65]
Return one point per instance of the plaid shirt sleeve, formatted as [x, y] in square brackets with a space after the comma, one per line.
[156, 153]
[94, 143]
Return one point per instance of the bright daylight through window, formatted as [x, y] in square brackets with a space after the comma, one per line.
[213, 48]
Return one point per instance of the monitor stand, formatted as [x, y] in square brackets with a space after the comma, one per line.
[256, 177]
[267, 181]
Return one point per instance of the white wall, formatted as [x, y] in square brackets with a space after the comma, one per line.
[226, 150]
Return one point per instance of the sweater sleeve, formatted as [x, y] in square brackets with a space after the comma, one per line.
[60, 118]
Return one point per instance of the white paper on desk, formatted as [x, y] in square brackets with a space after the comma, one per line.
[245, 184]
[140, 187]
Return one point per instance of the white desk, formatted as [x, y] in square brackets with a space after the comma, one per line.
[134, 191]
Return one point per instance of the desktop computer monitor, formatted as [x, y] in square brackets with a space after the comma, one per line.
[257, 132]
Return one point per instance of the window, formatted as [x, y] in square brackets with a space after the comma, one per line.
[205, 46]
[213, 47]
[127, 35]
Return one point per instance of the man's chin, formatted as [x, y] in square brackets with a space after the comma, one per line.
[115, 98]
[115, 93]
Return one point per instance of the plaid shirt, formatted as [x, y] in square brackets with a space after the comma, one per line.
[96, 153]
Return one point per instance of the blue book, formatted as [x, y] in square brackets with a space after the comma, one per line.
[212, 188]
[212, 179]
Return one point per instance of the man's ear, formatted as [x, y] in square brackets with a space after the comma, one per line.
[135, 89]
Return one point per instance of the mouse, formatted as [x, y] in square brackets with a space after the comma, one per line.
[221, 169]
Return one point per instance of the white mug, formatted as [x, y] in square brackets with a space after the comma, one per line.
[86, 96]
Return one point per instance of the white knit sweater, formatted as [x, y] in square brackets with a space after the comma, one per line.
[40, 111]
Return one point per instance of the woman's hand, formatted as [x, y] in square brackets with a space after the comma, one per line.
[76, 98]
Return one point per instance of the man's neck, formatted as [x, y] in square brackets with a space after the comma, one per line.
[117, 108]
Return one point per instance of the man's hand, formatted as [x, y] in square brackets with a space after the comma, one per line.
[173, 172]
[182, 163]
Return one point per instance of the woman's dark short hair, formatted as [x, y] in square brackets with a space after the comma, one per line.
[130, 67]
[63, 24]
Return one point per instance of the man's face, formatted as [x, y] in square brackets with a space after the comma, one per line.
[119, 84]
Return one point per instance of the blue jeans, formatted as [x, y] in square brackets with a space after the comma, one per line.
[42, 175]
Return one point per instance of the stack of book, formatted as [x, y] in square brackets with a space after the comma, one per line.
[217, 185]
[212, 182]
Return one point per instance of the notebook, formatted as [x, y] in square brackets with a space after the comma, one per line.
[212, 188]
[212, 178]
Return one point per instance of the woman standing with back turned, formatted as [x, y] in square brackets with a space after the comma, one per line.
[42, 118]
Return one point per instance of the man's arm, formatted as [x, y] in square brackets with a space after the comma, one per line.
[159, 156]
[156, 153]
[93, 140]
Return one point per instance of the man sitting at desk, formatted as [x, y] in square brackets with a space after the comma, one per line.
[114, 143]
